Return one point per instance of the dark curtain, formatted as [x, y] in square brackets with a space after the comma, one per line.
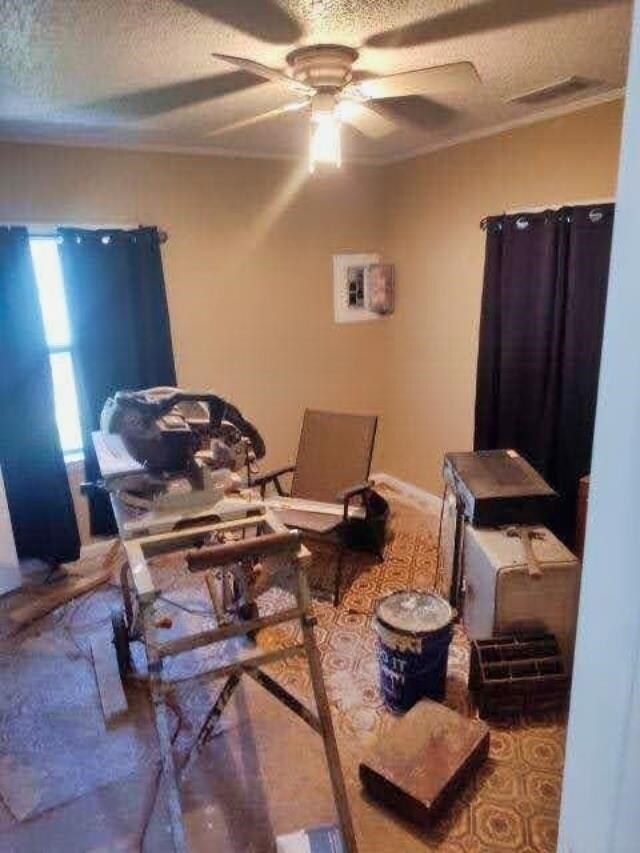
[120, 327]
[543, 304]
[35, 476]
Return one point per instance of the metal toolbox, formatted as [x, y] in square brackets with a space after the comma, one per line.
[501, 595]
[497, 487]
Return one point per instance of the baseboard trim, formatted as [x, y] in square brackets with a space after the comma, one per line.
[421, 496]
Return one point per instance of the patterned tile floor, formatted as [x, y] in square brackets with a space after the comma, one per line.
[511, 804]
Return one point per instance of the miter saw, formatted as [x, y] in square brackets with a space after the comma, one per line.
[167, 451]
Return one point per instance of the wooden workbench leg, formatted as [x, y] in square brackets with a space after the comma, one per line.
[169, 773]
[126, 596]
[208, 728]
[169, 777]
[324, 713]
[216, 598]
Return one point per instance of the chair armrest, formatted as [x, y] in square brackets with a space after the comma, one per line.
[352, 491]
[263, 480]
[346, 495]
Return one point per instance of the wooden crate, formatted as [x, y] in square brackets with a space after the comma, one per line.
[517, 672]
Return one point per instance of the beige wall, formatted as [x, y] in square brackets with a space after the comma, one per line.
[433, 208]
[248, 268]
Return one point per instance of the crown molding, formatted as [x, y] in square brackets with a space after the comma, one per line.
[80, 141]
[524, 121]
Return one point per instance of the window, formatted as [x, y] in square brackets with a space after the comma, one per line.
[48, 272]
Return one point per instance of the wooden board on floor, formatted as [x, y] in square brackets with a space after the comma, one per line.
[423, 759]
[105, 663]
[58, 593]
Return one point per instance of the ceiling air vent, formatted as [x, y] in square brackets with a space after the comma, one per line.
[560, 89]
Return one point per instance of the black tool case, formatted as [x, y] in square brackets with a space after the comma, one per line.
[497, 487]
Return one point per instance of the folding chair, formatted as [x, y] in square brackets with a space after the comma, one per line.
[331, 497]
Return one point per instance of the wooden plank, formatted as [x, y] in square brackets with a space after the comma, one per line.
[288, 699]
[168, 771]
[216, 599]
[105, 664]
[239, 549]
[324, 715]
[169, 774]
[140, 574]
[60, 592]
[161, 543]
[241, 664]
[138, 550]
[302, 505]
[423, 759]
[224, 632]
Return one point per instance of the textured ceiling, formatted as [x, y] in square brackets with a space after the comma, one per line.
[139, 72]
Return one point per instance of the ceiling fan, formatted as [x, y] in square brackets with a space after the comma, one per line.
[322, 77]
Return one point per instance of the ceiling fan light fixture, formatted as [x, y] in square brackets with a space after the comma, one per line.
[323, 74]
[325, 141]
[324, 145]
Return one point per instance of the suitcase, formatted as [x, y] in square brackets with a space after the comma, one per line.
[501, 596]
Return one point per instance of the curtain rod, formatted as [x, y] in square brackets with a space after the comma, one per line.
[48, 229]
[524, 210]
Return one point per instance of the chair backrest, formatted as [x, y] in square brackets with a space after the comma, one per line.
[334, 453]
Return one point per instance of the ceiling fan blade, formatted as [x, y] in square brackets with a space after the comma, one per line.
[147, 103]
[264, 71]
[483, 17]
[248, 122]
[367, 121]
[415, 113]
[425, 81]
[266, 20]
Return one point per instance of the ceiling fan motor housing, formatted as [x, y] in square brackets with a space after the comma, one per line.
[323, 66]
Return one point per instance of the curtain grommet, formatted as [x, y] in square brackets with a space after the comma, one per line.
[522, 223]
[595, 215]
